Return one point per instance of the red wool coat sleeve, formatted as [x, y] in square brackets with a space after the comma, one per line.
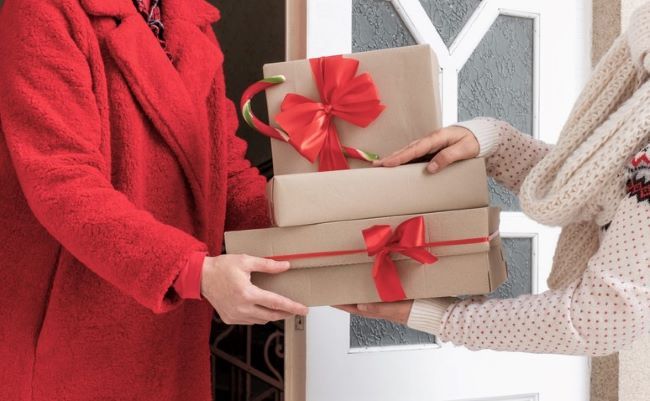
[247, 205]
[52, 128]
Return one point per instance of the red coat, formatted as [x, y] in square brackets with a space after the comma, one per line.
[115, 166]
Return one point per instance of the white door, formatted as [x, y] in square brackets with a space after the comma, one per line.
[523, 60]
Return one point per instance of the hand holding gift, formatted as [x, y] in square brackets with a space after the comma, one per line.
[397, 312]
[356, 234]
[226, 284]
[449, 144]
[335, 264]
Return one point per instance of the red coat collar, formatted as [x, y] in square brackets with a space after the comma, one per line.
[198, 12]
[171, 94]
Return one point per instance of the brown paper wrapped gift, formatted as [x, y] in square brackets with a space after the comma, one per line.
[469, 269]
[407, 81]
[310, 198]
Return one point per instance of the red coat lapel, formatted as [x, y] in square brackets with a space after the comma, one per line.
[172, 95]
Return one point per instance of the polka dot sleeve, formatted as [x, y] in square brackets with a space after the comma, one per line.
[510, 154]
[598, 314]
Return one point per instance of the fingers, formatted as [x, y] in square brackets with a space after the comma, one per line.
[262, 265]
[416, 149]
[452, 144]
[265, 315]
[254, 314]
[456, 152]
[277, 302]
[368, 308]
[235, 320]
[397, 312]
[348, 308]
[254, 317]
[238, 301]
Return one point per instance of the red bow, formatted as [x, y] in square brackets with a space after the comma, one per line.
[343, 94]
[407, 239]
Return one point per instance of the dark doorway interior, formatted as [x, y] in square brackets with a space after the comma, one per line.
[251, 34]
[247, 362]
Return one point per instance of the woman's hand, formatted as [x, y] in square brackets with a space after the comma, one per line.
[450, 144]
[226, 284]
[397, 312]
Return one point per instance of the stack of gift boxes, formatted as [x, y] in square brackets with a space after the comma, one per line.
[354, 233]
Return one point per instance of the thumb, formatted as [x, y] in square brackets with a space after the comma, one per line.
[269, 266]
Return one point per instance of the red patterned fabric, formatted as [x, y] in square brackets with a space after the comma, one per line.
[150, 11]
[638, 184]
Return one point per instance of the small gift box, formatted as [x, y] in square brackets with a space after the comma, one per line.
[310, 198]
[383, 259]
[340, 112]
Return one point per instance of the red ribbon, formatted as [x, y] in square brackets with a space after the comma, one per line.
[344, 95]
[408, 239]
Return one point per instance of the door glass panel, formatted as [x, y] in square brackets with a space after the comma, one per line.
[449, 16]
[378, 333]
[497, 81]
[518, 253]
[376, 25]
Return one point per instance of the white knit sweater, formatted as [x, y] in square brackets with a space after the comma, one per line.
[602, 309]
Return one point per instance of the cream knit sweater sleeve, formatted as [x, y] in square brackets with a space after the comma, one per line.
[597, 314]
[509, 154]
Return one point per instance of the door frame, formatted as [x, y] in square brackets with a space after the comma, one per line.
[295, 336]
[298, 46]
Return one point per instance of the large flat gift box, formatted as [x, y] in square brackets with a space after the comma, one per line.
[310, 198]
[406, 80]
[331, 264]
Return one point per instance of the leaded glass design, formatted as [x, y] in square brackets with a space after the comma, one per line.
[376, 25]
[449, 16]
[496, 81]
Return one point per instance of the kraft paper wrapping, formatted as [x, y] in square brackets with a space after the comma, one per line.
[461, 270]
[407, 79]
[311, 198]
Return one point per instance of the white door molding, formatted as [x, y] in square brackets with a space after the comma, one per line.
[330, 362]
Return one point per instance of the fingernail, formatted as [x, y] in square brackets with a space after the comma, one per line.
[362, 307]
[432, 167]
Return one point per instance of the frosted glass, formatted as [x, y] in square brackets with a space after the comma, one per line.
[376, 25]
[449, 16]
[497, 81]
